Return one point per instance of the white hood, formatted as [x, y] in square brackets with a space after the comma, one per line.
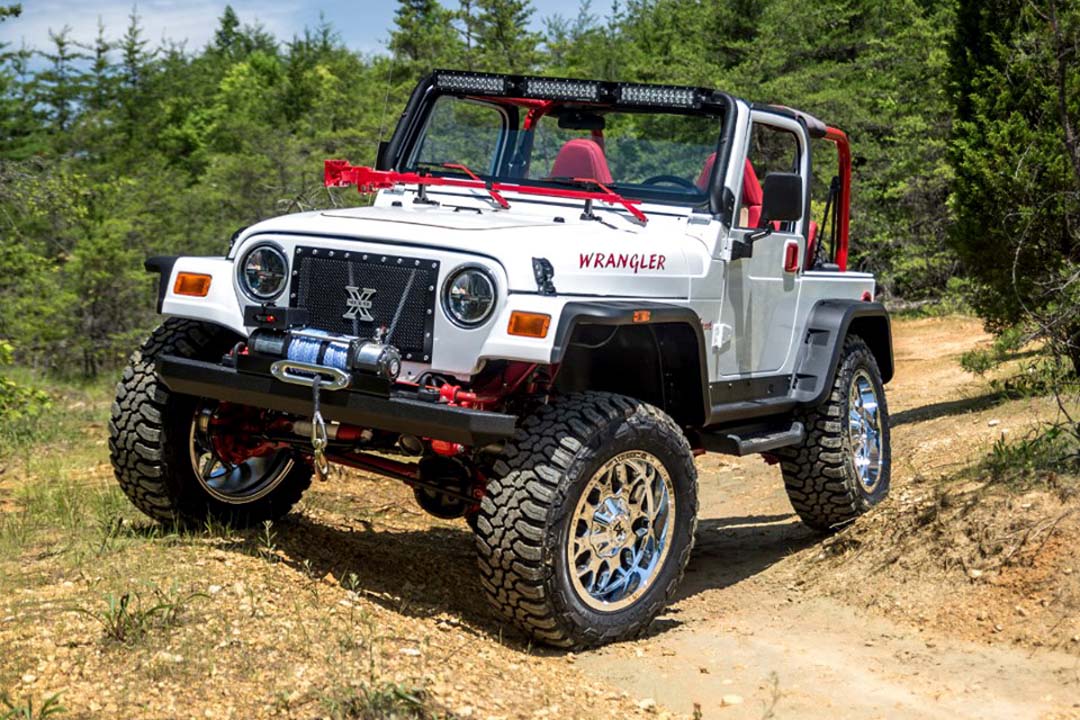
[590, 257]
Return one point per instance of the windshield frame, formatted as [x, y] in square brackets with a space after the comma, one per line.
[400, 153]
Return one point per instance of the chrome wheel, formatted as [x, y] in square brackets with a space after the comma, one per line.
[864, 429]
[620, 531]
[240, 483]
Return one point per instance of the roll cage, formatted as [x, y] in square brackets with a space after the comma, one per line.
[536, 97]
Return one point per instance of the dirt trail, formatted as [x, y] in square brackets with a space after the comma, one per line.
[745, 627]
[358, 586]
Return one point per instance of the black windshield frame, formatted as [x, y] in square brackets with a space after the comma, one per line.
[397, 153]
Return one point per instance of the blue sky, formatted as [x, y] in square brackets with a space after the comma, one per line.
[363, 24]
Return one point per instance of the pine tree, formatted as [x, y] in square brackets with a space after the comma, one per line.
[424, 36]
[504, 42]
[1017, 162]
[100, 80]
[62, 84]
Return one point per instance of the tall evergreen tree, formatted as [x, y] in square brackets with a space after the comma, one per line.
[61, 84]
[101, 78]
[1016, 155]
[424, 36]
[503, 39]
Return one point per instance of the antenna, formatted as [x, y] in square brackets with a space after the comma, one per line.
[386, 106]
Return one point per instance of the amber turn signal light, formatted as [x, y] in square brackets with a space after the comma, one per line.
[529, 324]
[192, 284]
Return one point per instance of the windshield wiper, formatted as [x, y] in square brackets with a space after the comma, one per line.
[495, 195]
[607, 194]
[339, 173]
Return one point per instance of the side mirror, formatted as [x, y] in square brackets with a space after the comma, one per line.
[782, 198]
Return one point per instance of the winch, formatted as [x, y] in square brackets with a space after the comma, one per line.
[318, 347]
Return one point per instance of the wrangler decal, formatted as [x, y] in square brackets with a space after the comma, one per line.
[622, 261]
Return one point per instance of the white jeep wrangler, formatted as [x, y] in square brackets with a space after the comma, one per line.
[563, 292]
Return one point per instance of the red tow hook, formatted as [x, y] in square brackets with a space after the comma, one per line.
[454, 395]
[447, 448]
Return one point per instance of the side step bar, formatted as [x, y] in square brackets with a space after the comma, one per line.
[751, 440]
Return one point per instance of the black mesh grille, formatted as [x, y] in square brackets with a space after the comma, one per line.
[357, 293]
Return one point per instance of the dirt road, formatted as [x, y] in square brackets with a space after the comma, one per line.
[358, 594]
[745, 627]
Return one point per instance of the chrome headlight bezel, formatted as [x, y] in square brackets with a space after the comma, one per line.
[487, 278]
[242, 275]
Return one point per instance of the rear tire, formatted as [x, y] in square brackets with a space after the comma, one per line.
[842, 469]
[151, 440]
[588, 524]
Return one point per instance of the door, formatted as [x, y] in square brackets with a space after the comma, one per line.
[761, 293]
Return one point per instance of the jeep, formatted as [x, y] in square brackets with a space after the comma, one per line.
[562, 292]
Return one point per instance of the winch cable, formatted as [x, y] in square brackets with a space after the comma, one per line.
[325, 349]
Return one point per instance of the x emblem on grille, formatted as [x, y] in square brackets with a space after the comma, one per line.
[358, 303]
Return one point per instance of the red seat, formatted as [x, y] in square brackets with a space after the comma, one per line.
[581, 158]
[706, 173]
[751, 189]
[810, 248]
[752, 196]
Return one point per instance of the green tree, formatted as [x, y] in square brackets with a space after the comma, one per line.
[878, 71]
[1016, 155]
[61, 84]
[504, 42]
[424, 36]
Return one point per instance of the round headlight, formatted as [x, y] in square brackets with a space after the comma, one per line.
[470, 296]
[264, 272]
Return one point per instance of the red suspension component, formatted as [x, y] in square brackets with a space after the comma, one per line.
[237, 432]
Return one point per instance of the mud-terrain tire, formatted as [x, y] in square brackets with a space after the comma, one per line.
[822, 475]
[150, 438]
[523, 530]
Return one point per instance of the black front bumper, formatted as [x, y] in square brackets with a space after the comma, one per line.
[401, 412]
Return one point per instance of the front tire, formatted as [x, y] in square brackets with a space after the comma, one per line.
[842, 469]
[162, 464]
[586, 529]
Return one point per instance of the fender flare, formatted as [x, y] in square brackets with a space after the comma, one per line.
[829, 324]
[631, 313]
[163, 266]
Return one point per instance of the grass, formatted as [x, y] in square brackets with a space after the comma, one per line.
[129, 617]
[380, 701]
[25, 710]
[1049, 456]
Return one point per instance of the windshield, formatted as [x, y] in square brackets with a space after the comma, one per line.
[659, 155]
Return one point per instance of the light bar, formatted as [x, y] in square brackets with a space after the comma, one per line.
[479, 83]
[557, 89]
[658, 95]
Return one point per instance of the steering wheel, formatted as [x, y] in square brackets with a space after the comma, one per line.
[673, 179]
